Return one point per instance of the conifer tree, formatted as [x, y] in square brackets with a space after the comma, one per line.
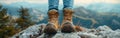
[24, 20]
[4, 19]
[6, 30]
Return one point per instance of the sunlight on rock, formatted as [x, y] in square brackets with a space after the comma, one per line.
[100, 32]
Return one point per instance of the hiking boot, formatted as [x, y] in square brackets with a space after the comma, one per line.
[68, 13]
[52, 21]
[67, 25]
[50, 29]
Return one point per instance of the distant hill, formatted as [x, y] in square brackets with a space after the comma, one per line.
[89, 18]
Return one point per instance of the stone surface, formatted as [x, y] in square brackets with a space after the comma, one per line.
[100, 32]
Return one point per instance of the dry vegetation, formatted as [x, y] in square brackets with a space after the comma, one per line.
[8, 25]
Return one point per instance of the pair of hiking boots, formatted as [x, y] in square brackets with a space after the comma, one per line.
[53, 26]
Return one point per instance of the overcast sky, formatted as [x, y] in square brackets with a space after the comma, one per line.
[76, 2]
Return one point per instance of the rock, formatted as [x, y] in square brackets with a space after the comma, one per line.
[104, 28]
[100, 32]
[66, 35]
[32, 31]
[87, 35]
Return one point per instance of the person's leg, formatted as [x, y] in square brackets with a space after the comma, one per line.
[53, 4]
[68, 4]
[67, 24]
[67, 10]
[52, 26]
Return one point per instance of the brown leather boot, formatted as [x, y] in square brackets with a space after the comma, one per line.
[68, 13]
[67, 25]
[52, 25]
[78, 28]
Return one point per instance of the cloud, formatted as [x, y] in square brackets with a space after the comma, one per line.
[76, 2]
[10, 1]
[30, 1]
[96, 1]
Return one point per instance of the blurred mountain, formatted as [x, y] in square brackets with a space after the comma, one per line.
[37, 11]
[92, 19]
[14, 7]
[99, 7]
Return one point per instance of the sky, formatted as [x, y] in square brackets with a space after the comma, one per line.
[76, 2]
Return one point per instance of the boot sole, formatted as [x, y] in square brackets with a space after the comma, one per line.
[49, 30]
[67, 29]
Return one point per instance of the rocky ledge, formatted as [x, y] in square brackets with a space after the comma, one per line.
[35, 31]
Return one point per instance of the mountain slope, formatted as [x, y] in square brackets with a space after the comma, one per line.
[92, 19]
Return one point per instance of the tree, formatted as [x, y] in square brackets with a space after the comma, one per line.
[4, 18]
[24, 20]
[5, 29]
